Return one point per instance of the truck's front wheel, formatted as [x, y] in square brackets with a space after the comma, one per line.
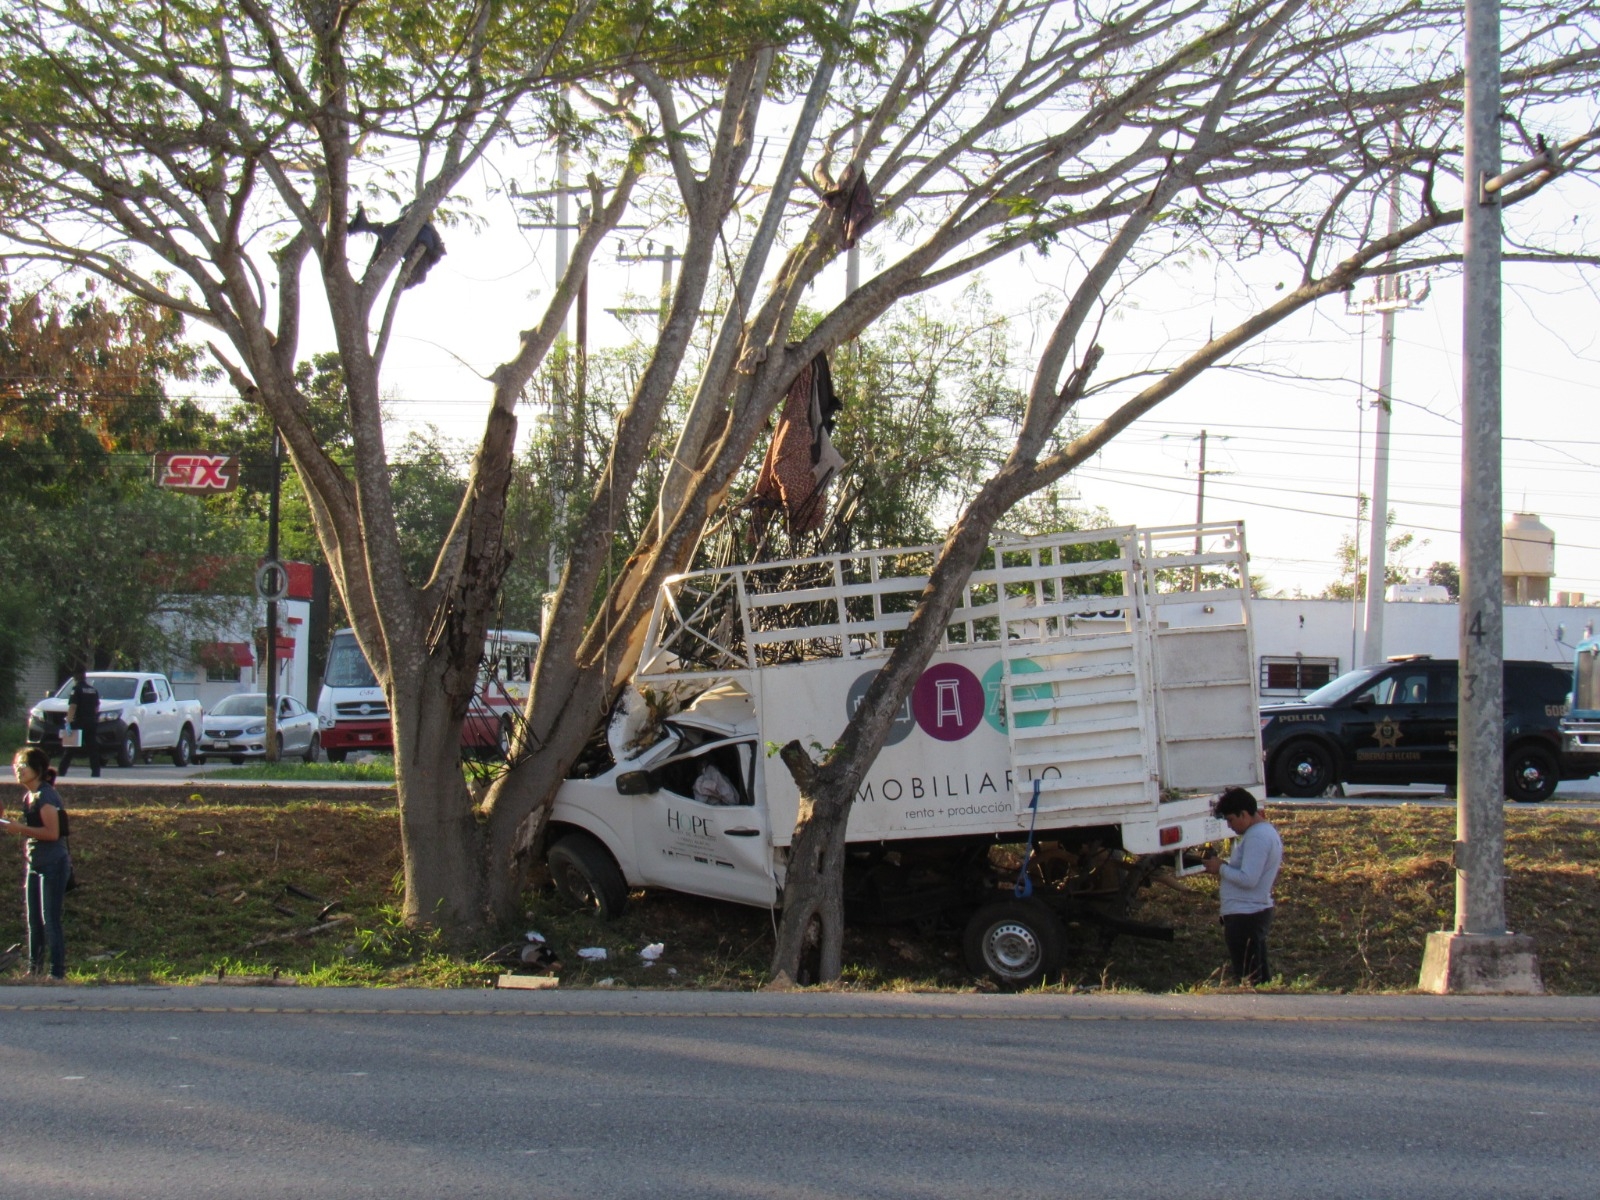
[128, 751]
[1015, 942]
[1304, 770]
[584, 873]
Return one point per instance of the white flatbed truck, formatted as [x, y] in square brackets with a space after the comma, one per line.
[1094, 691]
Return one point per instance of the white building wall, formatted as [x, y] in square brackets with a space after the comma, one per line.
[1323, 629]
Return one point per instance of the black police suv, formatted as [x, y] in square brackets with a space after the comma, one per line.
[1396, 723]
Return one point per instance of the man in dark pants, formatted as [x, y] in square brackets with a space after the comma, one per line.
[1246, 882]
[83, 714]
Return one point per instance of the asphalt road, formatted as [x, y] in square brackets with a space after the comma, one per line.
[263, 1093]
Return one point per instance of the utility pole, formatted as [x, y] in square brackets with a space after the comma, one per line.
[1392, 294]
[274, 576]
[1200, 503]
[668, 259]
[1481, 954]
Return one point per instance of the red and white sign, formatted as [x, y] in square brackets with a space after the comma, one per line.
[188, 471]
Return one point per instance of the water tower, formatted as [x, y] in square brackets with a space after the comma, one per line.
[1528, 559]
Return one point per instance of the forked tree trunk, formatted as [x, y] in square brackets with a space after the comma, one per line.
[444, 882]
[813, 895]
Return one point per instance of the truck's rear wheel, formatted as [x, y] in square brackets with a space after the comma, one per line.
[335, 755]
[1017, 943]
[1531, 774]
[584, 873]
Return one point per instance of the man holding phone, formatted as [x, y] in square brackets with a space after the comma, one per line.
[1246, 880]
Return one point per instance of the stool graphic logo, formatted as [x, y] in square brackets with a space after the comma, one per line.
[948, 702]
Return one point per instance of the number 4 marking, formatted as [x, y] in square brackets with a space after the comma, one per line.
[1476, 628]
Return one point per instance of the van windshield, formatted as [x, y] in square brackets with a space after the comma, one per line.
[347, 668]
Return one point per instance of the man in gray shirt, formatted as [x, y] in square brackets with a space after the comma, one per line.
[1247, 878]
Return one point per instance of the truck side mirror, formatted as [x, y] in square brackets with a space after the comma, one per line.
[637, 783]
[1365, 700]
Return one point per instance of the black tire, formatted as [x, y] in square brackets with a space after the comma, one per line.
[503, 738]
[128, 751]
[1016, 943]
[278, 757]
[236, 759]
[312, 747]
[1304, 769]
[1531, 774]
[183, 752]
[336, 756]
[584, 873]
[199, 760]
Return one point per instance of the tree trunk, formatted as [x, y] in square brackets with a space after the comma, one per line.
[814, 886]
[441, 838]
[813, 910]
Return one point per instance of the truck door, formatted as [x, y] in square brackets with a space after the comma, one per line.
[704, 829]
[160, 714]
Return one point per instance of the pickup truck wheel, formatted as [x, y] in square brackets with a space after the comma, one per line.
[335, 756]
[1016, 943]
[1531, 774]
[183, 752]
[128, 751]
[584, 873]
[1304, 769]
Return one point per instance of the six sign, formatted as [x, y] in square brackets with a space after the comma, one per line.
[189, 471]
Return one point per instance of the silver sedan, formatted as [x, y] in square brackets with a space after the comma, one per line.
[237, 727]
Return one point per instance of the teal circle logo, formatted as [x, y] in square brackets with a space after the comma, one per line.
[994, 692]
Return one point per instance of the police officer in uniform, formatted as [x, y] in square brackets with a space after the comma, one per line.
[83, 714]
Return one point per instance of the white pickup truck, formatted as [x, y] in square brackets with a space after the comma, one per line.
[138, 716]
[1093, 694]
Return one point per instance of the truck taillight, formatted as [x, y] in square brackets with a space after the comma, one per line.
[1171, 835]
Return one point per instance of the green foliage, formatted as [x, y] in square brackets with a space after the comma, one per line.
[100, 564]
[1351, 560]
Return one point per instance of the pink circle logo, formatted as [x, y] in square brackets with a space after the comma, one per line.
[948, 702]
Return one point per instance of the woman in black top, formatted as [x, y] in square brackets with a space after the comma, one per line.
[44, 828]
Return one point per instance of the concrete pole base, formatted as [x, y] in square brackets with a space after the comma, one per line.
[1476, 964]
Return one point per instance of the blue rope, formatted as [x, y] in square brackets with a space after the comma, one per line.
[1023, 887]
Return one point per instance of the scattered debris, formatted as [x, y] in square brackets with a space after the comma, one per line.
[653, 951]
[593, 953]
[273, 980]
[300, 933]
[607, 982]
[527, 982]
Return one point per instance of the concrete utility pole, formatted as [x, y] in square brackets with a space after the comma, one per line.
[1393, 294]
[1481, 954]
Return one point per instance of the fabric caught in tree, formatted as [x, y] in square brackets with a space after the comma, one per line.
[801, 458]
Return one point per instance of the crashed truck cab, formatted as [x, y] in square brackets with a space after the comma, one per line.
[1092, 694]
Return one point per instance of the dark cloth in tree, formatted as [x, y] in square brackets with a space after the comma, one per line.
[801, 458]
[855, 200]
[427, 237]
